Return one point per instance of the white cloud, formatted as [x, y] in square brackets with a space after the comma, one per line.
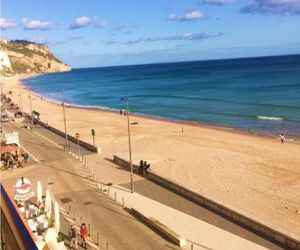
[6, 23]
[194, 15]
[84, 21]
[81, 22]
[189, 36]
[36, 24]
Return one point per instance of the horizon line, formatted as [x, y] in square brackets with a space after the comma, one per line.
[175, 62]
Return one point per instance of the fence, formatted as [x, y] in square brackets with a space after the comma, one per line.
[71, 138]
[274, 235]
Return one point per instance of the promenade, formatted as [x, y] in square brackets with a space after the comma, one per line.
[71, 184]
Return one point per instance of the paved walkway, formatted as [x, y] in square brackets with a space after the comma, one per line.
[203, 228]
[71, 185]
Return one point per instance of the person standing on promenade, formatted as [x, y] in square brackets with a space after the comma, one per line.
[146, 167]
[83, 235]
[282, 138]
[141, 167]
[72, 233]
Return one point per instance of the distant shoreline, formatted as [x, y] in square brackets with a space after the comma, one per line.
[157, 118]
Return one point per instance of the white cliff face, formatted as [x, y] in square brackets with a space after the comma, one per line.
[4, 60]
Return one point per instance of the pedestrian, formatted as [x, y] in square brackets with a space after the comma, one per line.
[147, 167]
[83, 235]
[121, 111]
[26, 157]
[72, 233]
[141, 167]
[181, 130]
[282, 138]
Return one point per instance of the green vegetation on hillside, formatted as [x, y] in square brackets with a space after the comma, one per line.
[28, 57]
[17, 48]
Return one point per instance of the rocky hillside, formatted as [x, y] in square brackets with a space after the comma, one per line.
[23, 57]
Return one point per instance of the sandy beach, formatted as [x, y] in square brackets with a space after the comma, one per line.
[254, 174]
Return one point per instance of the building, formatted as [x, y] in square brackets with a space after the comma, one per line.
[4, 60]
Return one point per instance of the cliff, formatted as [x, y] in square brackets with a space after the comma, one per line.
[24, 57]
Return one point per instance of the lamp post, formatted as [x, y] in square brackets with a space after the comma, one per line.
[30, 105]
[129, 145]
[21, 101]
[64, 115]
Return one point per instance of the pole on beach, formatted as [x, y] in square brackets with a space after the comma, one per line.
[77, 137]
[129, 145]
[21, 101]
[93, 132]
[30, 104]
[64, 115]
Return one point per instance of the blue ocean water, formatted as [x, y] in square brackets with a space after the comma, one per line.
[257, 94]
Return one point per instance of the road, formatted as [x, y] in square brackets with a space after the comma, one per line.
[69, 181]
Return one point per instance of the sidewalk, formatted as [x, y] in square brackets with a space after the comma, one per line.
[201, 234]
[76, 181]
[198, 232]
[72, 185]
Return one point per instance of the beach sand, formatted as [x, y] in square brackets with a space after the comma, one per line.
[257, 175]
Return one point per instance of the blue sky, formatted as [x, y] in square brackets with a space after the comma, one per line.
[116, 32]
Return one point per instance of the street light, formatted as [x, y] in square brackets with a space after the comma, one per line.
[129, 144]
[21, 101]
[64, 115]
[30, 104]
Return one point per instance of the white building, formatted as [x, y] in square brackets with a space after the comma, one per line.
[4, 60]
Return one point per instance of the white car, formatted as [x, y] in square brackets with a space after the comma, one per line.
[4, 118]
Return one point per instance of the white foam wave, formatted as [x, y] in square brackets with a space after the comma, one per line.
[90, 107]
[260, 117]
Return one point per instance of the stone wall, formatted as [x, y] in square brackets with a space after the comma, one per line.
[261, 228]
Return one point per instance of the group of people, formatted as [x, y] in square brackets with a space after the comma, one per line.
[123, 112]
[83, 233]
[14, 160]
[144, 167]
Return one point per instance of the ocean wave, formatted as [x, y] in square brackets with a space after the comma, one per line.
[271, 118]
[72, 105]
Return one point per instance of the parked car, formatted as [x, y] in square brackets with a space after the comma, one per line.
[18, 114]
[4, 118]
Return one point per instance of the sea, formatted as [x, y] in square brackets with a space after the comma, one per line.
[259, 95]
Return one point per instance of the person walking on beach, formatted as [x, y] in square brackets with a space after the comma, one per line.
[83, 235]
[282, 138]
[72, 233]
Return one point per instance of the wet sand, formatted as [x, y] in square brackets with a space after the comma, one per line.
[256, 175]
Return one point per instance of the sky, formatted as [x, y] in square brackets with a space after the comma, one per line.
[94, 33]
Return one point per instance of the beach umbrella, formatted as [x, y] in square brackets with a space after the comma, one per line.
[39, 192]
[48, 205]
[56, 217]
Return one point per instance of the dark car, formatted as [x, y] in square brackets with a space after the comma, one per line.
[18, 114]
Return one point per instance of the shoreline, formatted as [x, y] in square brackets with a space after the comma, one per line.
[252, 173]
[264, 134]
